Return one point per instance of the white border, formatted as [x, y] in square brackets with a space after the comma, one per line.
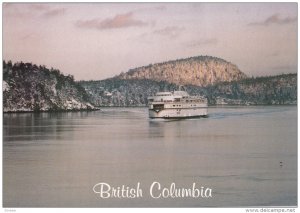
[174, 210]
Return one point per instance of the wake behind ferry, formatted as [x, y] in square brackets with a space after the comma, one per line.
[177, 104]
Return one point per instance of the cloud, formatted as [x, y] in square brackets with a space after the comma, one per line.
[151, 9]
[54, 12]
[171, 32]
[161, 7]
[30, 11]
[118, 21]
[275, 19]
[30, 36]
[46, 10]
[202, 42]
[274, 54]
[39, 7]
[7, 5]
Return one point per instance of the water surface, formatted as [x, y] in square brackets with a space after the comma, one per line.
[246, 155]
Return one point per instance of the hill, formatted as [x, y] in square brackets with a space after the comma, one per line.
[280, 89]
[28, 87]
[198, 71]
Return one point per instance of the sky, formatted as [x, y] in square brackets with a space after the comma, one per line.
[94, 41]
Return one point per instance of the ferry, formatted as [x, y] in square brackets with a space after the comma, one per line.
[177, 104]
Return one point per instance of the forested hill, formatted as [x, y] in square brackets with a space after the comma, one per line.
[269, 90]
[198, 71]
[29, 87]
[280, 89]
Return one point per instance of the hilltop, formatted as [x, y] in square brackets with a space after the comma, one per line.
[198, 71]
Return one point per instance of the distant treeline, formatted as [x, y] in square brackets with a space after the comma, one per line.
[280, 89]
[31, 87]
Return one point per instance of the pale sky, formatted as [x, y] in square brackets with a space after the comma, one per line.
[94, 41]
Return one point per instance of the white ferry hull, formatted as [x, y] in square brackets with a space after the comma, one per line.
[177, 104]
[179, 113]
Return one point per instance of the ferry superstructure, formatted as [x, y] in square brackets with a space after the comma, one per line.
[177, 104]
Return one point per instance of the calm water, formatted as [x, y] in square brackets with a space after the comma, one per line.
[55, 159]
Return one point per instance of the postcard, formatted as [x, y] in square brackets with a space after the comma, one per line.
[150, 105]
